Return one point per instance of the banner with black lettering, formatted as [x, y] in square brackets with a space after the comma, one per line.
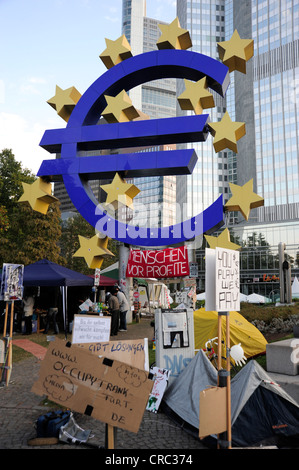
[170, 262]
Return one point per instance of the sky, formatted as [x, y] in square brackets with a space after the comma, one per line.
[44, 43]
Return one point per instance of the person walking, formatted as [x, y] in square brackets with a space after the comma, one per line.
[123, 310]
[113, 305]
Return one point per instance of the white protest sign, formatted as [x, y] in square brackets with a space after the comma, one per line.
[222, 280]
[90, 329]
[97, 275]
[227, 280]
[210, 303]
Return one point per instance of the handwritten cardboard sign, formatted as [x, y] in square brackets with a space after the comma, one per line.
[132, 351]
[222, 280]
[227, 280]
[108, 390]
[90, 328]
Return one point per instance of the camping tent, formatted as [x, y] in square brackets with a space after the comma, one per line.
[260, 409]
[241, 331]
[295, 288]
[47, 273]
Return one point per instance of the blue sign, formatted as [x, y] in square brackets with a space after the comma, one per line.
[84, 133]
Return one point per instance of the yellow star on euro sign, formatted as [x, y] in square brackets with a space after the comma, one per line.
[120, 192]
[116, 51]
[222, 241]
[64, 101]
[196, 96]
[119, 108]
[236, 52]
[93, 250]
[173, 36]
[38, 195]
[243, 199]
[226, 133]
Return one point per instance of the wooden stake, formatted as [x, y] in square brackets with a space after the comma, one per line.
[5, 319]
[110, 436]
[219, 365]
[9, 361]
[228, 389]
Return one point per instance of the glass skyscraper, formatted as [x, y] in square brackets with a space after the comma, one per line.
[157, 99]
[266, 99]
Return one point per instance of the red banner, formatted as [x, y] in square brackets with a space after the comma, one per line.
[170, 262]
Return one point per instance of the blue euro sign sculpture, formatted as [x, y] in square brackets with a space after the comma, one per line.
[84, 133]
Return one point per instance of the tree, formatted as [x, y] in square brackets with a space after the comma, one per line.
[32, 236]
[69, 243]
[4, 222]
[29, 235]
[11, 177]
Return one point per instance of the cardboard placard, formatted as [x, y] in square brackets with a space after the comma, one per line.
[108, 390]
[90, 329]
[160, 378]
[222, 280]
[212, 411]
[132, 351]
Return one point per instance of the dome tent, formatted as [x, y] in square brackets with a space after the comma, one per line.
[241, 331]
[261, 411]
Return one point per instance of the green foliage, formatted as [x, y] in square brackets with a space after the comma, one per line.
[267, 312]
[11, 177]
[26, 236]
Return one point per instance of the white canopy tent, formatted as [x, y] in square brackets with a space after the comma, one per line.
[257, 299]
[295, 288]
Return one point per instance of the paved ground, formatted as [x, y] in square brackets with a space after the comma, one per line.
[20, 409]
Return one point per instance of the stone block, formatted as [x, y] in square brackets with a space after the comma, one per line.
[282, 357]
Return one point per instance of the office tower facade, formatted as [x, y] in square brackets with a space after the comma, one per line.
[155, 204]
[267, 100]
[205, 22]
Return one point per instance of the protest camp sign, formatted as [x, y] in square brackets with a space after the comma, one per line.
[107, 390]
[222, 280]
[212, 411]
[132, 351]
[90, 328]
[170, 262]
[12, 282]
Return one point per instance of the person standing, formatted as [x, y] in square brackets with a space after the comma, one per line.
[123, 310]
[53, 310]
[113, 305]
[28, 305]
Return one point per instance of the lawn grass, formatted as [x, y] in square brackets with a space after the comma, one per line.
[249, 311]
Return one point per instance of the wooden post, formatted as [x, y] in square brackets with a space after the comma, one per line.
[224, 381]
[219, 365]
[110, 438]
[8, 345]
[228, 389]
[219, 359]
[10, 342]
[5, 319]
